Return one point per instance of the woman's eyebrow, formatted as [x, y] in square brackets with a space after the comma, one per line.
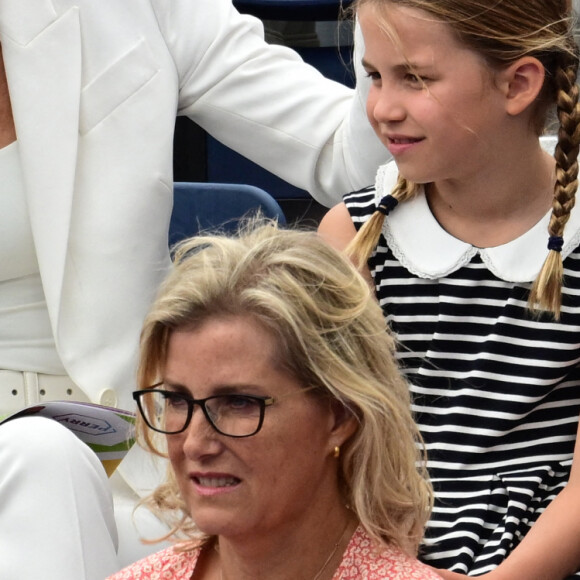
[174, 387]
[223, 389]
[236, 389]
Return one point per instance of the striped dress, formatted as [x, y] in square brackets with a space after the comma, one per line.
[495, 391]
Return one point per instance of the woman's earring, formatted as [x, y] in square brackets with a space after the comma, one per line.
[336, 453]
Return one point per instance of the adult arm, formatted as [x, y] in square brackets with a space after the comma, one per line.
[264, 102]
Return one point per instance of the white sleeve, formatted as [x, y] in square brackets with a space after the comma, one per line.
[263, 101]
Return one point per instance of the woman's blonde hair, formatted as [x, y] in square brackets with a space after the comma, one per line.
[503, 31]
[331, 337]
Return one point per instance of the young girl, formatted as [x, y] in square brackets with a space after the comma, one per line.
[477, 267]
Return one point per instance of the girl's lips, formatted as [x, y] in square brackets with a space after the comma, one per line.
[398, 145]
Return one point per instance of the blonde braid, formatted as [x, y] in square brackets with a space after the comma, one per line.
[364, 243]
[546, 292]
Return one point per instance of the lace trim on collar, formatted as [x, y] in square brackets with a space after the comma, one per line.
[425, 249]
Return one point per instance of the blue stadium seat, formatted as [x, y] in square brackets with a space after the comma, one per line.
[209, 206]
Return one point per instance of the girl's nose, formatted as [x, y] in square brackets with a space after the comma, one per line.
[385, 105]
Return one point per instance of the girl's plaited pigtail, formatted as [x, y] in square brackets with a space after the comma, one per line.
[367, 238]
[546, 293]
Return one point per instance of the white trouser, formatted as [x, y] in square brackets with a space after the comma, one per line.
[56, 508]
[47, 471]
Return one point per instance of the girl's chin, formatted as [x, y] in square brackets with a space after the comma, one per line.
[413, 176]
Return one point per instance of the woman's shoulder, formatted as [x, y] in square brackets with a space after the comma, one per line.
[362, 560]
[168, 563]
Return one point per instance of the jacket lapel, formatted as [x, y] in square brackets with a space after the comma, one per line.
[42, 56]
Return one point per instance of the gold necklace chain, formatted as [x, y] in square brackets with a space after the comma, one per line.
[332, 553]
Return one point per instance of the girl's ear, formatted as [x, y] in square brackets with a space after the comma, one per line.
[521, 83]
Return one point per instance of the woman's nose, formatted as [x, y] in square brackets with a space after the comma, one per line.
[200, 437]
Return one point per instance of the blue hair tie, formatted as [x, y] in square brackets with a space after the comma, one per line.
[387, 204]
[555, 243]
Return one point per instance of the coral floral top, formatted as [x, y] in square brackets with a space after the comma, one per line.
[359, 562]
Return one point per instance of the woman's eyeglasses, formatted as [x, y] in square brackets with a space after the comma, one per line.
[233, 415]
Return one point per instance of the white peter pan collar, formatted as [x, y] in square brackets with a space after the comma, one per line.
[425, 249]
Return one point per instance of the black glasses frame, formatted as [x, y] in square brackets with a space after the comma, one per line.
[263, 402]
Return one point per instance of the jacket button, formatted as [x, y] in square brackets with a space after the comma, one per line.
[108, 398]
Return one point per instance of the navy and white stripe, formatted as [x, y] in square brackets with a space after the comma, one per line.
[496, 395]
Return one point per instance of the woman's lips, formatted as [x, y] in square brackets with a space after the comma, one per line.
[216, 481]
[214, 484]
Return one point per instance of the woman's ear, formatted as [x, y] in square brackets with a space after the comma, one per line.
[345, 423]
[521, 84]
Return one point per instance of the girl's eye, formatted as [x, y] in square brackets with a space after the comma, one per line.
[416, 80]
[374, 76]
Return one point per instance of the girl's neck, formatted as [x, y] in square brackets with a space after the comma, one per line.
[496, 206]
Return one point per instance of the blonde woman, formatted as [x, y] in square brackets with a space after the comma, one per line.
[268, 375]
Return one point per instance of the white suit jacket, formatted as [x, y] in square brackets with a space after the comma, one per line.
[95, 87]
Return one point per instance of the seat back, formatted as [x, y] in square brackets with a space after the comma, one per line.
[200, 207]
[293, 9]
